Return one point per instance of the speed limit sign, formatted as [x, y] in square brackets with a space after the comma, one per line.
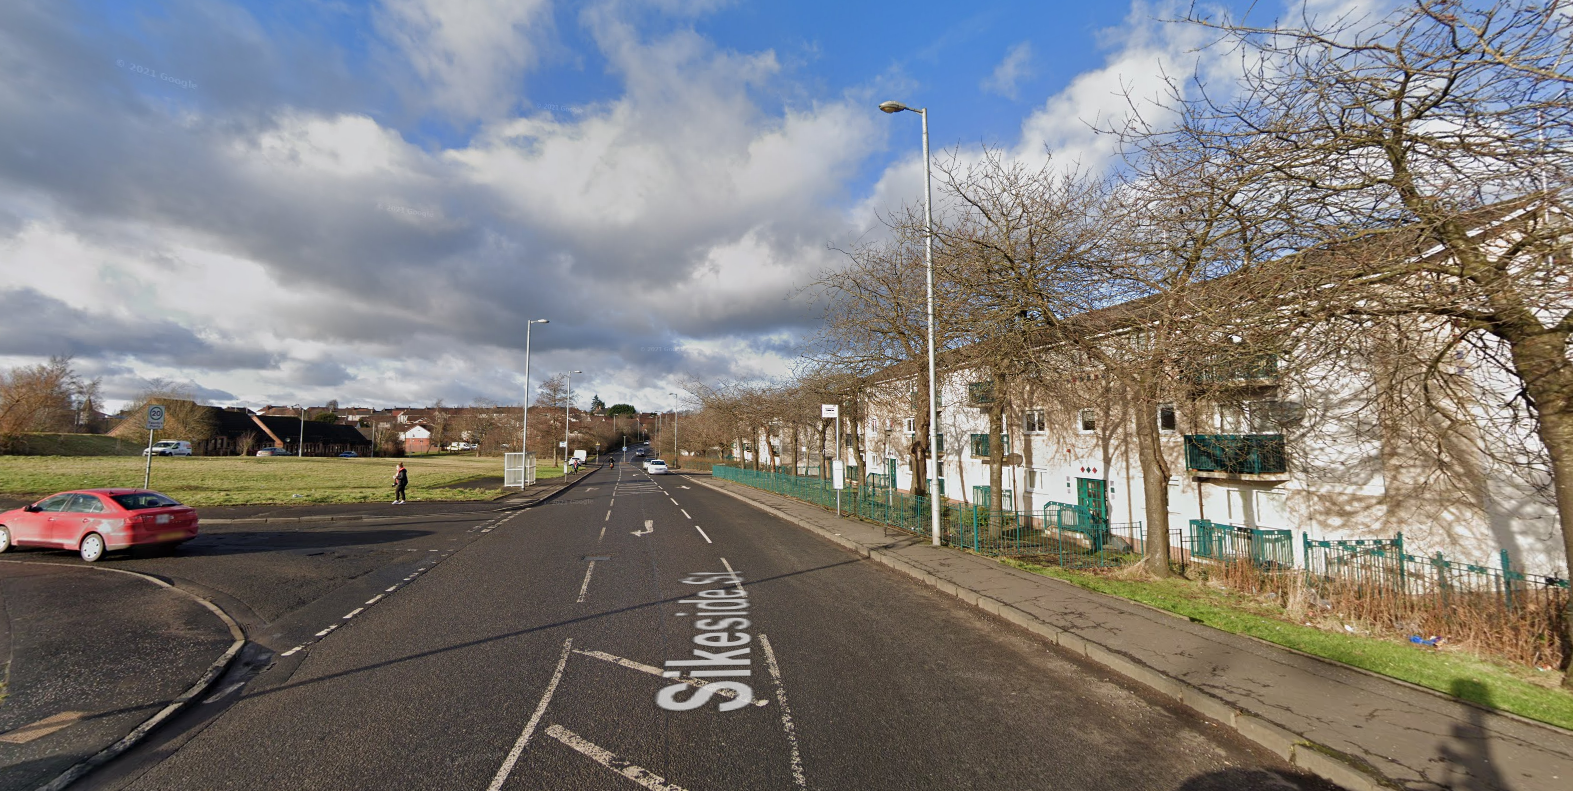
[155, 417]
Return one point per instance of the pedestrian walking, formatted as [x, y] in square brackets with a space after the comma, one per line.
[401, 479]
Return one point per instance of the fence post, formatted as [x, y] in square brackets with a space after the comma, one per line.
[1507, 581]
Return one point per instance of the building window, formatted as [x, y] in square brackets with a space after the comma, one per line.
[1037, 478]
[980, 445]
[1087, 420]
[939, 443]
[912, 425]
[1034, 421]
[1167, 421]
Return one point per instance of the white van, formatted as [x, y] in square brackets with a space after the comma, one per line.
[169, 447]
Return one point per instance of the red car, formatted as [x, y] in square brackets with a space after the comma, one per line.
[95, 521]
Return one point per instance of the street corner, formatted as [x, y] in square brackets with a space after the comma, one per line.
[94, 655]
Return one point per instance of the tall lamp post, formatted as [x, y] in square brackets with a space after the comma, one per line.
[567, 405]
[677, 457]
[525, 444]
[928, 265]
[300, 450]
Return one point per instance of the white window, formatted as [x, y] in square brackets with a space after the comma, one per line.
[1033, 421]
[1037, 478]
[912, 425]
[1087, 421]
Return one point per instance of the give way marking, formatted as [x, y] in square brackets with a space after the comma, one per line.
[608, 759]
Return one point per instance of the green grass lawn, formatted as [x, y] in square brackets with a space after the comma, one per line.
[77, 445]
[1520, 690]
[247, 480]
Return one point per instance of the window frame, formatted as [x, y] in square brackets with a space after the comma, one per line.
[1174, 419]
[1082, 418]
[1034, 422]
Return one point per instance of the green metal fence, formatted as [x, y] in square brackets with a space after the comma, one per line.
[1266, 549]
[1243, 454]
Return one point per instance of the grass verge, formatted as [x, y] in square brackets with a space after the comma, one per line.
[248, 480]
[1520, 690]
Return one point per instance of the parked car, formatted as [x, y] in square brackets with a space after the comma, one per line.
[169, 447]
[461, 446]
[273, 451]
[95, 521]
[655, 467]
[349, 454]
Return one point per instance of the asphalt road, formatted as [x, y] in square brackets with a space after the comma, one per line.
[515, 663]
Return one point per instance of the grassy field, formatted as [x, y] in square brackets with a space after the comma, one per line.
[77, 445]
[1520, 690]
[242, 480]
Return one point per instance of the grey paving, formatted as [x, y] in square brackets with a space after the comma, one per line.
[1410, 736]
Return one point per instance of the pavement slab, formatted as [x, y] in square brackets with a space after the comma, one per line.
[1412, 737]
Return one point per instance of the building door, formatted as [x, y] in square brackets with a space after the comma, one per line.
[1092, 494]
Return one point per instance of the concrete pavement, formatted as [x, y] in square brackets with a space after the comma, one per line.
[1355, 728]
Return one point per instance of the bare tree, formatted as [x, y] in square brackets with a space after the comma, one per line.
[1449, 121]
[39, 398]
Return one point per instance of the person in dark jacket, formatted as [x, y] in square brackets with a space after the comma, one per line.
[401, 479]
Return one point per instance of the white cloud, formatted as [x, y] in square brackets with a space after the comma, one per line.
[1016, 67]
[471, 54]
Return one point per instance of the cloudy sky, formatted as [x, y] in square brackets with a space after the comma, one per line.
[288, 201]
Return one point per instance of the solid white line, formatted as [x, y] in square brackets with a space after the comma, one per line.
[354, 612]
[654, 671]
[786, 713]
[535, 719]
[702, 532]
[583, 589]
[685, 514]
[633, 772]
[734, 574]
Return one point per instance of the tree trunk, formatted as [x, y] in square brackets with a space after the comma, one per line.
[1548, 382]
[996, 455]
[918, 448]
[1155, 483]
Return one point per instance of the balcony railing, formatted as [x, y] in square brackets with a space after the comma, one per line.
[1222, 370]
[1240, 454]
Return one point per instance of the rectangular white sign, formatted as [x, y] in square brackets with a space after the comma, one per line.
[155, 417]
[838, 474]
[829, 410]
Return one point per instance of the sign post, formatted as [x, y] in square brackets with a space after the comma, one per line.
[838, 475]
[155, 422]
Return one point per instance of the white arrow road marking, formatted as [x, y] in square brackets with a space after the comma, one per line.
[649, 527]
[529, 727]
[655, 671]
[606, 758]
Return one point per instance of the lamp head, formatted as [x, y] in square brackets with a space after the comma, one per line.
[893, 107]
[540, 321]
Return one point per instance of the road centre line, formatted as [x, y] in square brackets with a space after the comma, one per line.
[608, 759]
[786, 712]
[602, 535]
[702, 532]
[674, 502]
[735, 576]
[535, 719]
[608, 515]
[585, 588]
[685, 514]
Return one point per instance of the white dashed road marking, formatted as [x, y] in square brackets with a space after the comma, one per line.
[354, 612]
[606, 758]
[535, 719]
[786, 713]
[702, 533]
[685, 514]
[585, 588]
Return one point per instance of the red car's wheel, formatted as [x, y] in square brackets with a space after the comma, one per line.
[5, 538]
[92, 548]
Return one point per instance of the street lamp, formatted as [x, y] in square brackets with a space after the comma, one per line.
[567, 405]
[677, 456]
[525, 445]
[928, 265]
[300, 450]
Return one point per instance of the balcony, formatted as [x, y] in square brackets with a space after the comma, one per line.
[1247, 456]
[1251, 369]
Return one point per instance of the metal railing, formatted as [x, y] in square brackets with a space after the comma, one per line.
[1265, 549]
[1251, 454]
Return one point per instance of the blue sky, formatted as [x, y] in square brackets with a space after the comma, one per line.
[311, 199]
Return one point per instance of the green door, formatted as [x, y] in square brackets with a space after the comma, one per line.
[1092, 494]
